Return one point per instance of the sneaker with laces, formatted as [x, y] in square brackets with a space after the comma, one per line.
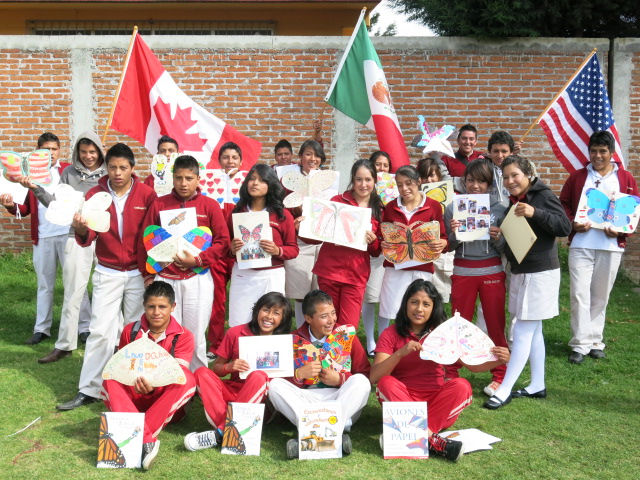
[150, 454]
[445, 448]
[492, 388]
[201, 440]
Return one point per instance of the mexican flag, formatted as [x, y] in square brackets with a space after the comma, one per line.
[360, 91]
[150, 104]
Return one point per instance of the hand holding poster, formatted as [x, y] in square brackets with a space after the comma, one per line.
[608, 209]
[472, 213]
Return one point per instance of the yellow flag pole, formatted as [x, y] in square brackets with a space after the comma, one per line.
[115, 98]
[593, 52]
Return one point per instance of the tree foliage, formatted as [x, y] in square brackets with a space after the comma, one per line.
[526, 18]
[390, 31]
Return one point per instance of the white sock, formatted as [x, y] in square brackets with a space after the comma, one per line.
[299, 314]
[368, 318]
[537, 361]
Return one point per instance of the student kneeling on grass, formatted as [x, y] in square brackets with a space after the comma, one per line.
[160, 404]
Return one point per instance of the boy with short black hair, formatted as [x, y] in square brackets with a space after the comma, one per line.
[500, 146]
[283, 152]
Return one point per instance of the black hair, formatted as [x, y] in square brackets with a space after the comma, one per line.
[230, 146]
[379, 153]
[375, 204]
[187, 162]
[167, 139]
[503, 138]
[317, 149]
[48, 137]
[603, 139]
[468, 128]
[427, 166]
[313, 299]
[522, 163]
[480, 170]
[159, 289]
[275, 190]
[410, 172]
[438, 314]
[272, 299]
[120, 150]
[283, 144]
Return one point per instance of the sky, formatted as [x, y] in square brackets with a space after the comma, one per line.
[404, 27]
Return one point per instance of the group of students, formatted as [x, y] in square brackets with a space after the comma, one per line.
[178, 303]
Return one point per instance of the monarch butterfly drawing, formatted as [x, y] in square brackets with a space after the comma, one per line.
[108, 451]
[232, 439]
[178, 219]
[411, 242]
[254, 236]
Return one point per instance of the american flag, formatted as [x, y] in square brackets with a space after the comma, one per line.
[582, 108]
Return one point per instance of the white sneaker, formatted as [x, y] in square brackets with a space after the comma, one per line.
[200, 440]
[150, 453]
[492, 388]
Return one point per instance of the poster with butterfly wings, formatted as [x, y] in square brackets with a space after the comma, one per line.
[321, 184]
[36, 164]
[441, 192]
[472, 211]
[335, 222]
[220, 186]
[410, 245]
[120, 440]
[386, 187]
[243, 429]
[609, 209]
[251, 227]
[69, 202]
[178, 221]
[456, 339]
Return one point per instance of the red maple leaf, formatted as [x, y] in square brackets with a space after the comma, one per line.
[177, 126]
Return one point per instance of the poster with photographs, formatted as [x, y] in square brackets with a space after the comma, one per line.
[251, 227]
[472, 211]
[273, 354]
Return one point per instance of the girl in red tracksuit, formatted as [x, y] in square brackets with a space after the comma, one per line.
[261, 191]
[343, 272]
[271, 316]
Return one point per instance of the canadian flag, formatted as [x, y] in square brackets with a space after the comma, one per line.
[150, 104]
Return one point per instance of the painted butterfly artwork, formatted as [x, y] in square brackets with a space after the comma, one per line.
[411, 242]
[36, 164]
[435, 141]
[611, 209]
[232, 440]
[386, 187]
[456, 339]
[178, 219]
[441, 192]
[322, 184]
[422, 444]
[162, 247]
[250, 236]
[335, 222]
[217, 184]
[109, 454]
[162, 172]
[69, 201]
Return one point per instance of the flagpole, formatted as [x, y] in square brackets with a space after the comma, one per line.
[345, 54]
[115, 98]
[593, 52]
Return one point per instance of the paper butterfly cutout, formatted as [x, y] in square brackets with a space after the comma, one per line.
[435, 141]
[144, 358]
[335, 352]
[36, 165]
[441, 192]
[162, 172]
[316, 185]
[69, 201]
[162, 247]
[391, 423]
[250, 236]
[456, 339]
[386, 187]
[410, 242]
[215, 183]
[612, 208]
[423, 444]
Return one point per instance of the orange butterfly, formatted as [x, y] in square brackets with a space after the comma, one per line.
[232, 438]
[108, 450]
[411, 242]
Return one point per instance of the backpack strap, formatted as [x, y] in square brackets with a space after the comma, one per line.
[134, 331]
[173, 345]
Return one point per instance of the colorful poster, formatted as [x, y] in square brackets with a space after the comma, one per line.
[320, 431]
[472, 211]
[120, 440]
[410, 245]
[68, 202]
[273, 354]
[36, 164]
[405, 430]
[243, 429]
[335, 222]
[608, 209]
[320, 184]
[222, 187]
[251, 227]
[386, 187]
[162, 248]
[441, 192]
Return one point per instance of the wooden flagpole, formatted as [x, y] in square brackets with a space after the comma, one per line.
[115, 98]
[593, 52]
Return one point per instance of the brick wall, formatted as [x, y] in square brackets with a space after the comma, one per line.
[273, 88]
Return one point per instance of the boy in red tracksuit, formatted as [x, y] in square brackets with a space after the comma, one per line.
[117, 280]
[160, 404]
[194, 293]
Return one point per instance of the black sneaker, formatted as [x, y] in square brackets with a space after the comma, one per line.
[292, 449]
[445, 448]
[150, 454]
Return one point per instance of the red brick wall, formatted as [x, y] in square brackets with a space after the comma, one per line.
[274, 94]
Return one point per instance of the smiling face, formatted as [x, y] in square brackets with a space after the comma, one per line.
[269, 319]
[474, 186]
[600, 158]
[230, 159]
[284, 156]
[515, 180]
[157, 311]
[407, 188]
[119, 171]
[382, 164]
[467, 142]
[54, 148]
[323, 321]
[498, 153]
[419, 308]
[89, 156]
[257, 187]
[309, 160]
[363, 183]
[185, 182]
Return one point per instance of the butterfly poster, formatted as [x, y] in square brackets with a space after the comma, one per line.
[68, 202]
[273, 354]
[335, 222]
[410, 245]
[320, 427]
[472, 211]
[220, 186]
[405, 430]
[36, 164]
[321, 184]
[441, 192]
[120, 440]
[435, 140]
[162, 247]
[162, 172]
[456, 339]
[144, 358]
[608, 209]
[251, 227]
[386, 187]
[518, 234]
[243, 429]
[178, 221]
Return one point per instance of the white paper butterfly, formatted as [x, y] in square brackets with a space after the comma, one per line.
[69, 201]
[318, 184]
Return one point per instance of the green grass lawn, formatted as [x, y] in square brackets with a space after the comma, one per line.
[588, 427]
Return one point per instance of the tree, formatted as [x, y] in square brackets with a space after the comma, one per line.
[390, 31]
[526, 18]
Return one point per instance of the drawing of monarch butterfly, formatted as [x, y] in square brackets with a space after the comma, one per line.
[108, 451]
[232, 438]
[254, 236]
[411, 242]
[179, 218]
